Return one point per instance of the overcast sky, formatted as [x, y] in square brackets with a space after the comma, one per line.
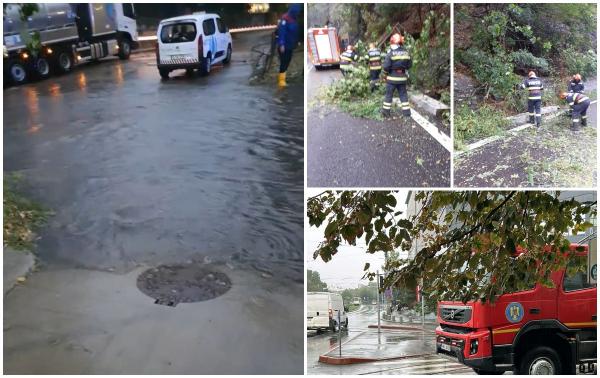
[345, 270]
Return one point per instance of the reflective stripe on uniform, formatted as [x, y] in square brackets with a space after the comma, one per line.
[583, 117]
[534, 88]
[401, 58]
[346, 58]
[538, 115]
[571, 103]
[387, 106]
[531, 114]
[394, 78]
[373, 68]
[575, 120]
[374, 59]
[535, 97]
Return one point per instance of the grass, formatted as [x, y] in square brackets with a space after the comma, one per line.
[471, 125]
[22, 216]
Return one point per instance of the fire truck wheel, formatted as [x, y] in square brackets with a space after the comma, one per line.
[540, 360]
[486, 372]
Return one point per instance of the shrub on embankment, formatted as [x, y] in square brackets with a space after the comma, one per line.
[22, 216]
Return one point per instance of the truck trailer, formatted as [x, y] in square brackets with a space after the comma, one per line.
[540, 330]
[70, 34]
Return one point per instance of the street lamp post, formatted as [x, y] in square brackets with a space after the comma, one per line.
[378, 313]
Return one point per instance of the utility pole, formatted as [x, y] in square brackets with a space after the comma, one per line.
[422, 306]
[378, 313]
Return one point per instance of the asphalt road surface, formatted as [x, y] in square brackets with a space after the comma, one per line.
[427, 363]
[139, 172]
[343, 151]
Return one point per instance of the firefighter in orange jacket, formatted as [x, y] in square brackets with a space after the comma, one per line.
[396, 65]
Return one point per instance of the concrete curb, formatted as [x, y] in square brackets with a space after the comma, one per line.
[359, 360]
[443, 139]
[17, 265]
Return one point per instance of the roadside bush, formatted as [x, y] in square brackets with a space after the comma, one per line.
[525, 61]
[494, 72]
[21, 216]
[583, 63]
[471, 125]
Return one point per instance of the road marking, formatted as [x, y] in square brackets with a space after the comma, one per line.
[439, 136]
[435, 368]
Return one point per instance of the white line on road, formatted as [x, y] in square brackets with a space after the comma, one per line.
[423, 369]
[439, 136]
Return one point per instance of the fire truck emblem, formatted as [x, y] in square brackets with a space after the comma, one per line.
[514, 312]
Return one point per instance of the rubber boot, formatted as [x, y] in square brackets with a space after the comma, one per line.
[584, 121]
[281, 80]
[386, 113]
[372, 87]
[575, 126]
[538, 122]
[532, 120]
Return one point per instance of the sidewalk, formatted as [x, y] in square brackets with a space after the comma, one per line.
[395, 344]
[17, 264]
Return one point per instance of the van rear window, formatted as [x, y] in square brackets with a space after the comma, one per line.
[177, 33]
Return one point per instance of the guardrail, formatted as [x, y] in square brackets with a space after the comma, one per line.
[234, 30]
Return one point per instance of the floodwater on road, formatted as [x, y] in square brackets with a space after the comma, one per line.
[141, 170]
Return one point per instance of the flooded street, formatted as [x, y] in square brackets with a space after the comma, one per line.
[141, 172]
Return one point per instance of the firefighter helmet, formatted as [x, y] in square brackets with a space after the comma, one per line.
[531, 74]
[396, 39]
[563, 95]
[577, 77]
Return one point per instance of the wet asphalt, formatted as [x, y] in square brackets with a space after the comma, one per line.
[143, 170]
[360, 339]
[343, 151]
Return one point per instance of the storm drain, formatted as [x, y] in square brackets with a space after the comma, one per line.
[172, 284]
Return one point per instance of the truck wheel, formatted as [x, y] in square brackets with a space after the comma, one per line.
[228, 56]
[206, 64]
[334, 326]
[540, 360]
[486, 372]
[164, 73]
[42, 67]
[17, 72]
[124, 49]
[64, 62]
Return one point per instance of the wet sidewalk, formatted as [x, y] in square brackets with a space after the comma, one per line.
[392, 344]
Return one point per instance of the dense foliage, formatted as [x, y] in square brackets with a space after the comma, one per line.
[465, 237]
[313, 281]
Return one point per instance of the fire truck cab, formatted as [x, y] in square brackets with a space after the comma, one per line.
[537, 331]
[323, 47]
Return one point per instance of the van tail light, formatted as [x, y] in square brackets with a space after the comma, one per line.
[330, 314]
[200, 48]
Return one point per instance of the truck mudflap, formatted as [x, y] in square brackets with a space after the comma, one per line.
[473, 349]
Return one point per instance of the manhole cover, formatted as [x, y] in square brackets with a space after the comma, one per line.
[173, 284]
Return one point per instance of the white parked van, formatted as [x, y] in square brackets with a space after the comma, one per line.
[323, 309]
[192, 42]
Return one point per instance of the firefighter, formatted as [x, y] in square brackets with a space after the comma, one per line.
[374, 59]
[534, 99]
[287, 39]
[347, 59]
[395, 66]
[579, 104]
[576, 85]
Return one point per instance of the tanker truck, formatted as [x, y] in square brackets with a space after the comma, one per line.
[69, 34]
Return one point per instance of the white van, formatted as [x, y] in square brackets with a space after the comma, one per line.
[323, 309]
[192, 42]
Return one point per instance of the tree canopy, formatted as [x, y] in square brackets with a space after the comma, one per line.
[469, 241]
[313, 281]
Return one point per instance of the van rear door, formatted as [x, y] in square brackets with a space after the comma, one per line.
[178, 42]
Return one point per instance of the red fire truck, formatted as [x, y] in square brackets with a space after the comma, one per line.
[323, 47]
[537, 331]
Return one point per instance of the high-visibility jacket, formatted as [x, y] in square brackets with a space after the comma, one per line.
[374, 59]
[396, 64]
[576, 86]
[576, 98]
[534, 86]
[347, 58]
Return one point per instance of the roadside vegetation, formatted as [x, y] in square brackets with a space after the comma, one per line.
[497, 44]
[22, 216]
